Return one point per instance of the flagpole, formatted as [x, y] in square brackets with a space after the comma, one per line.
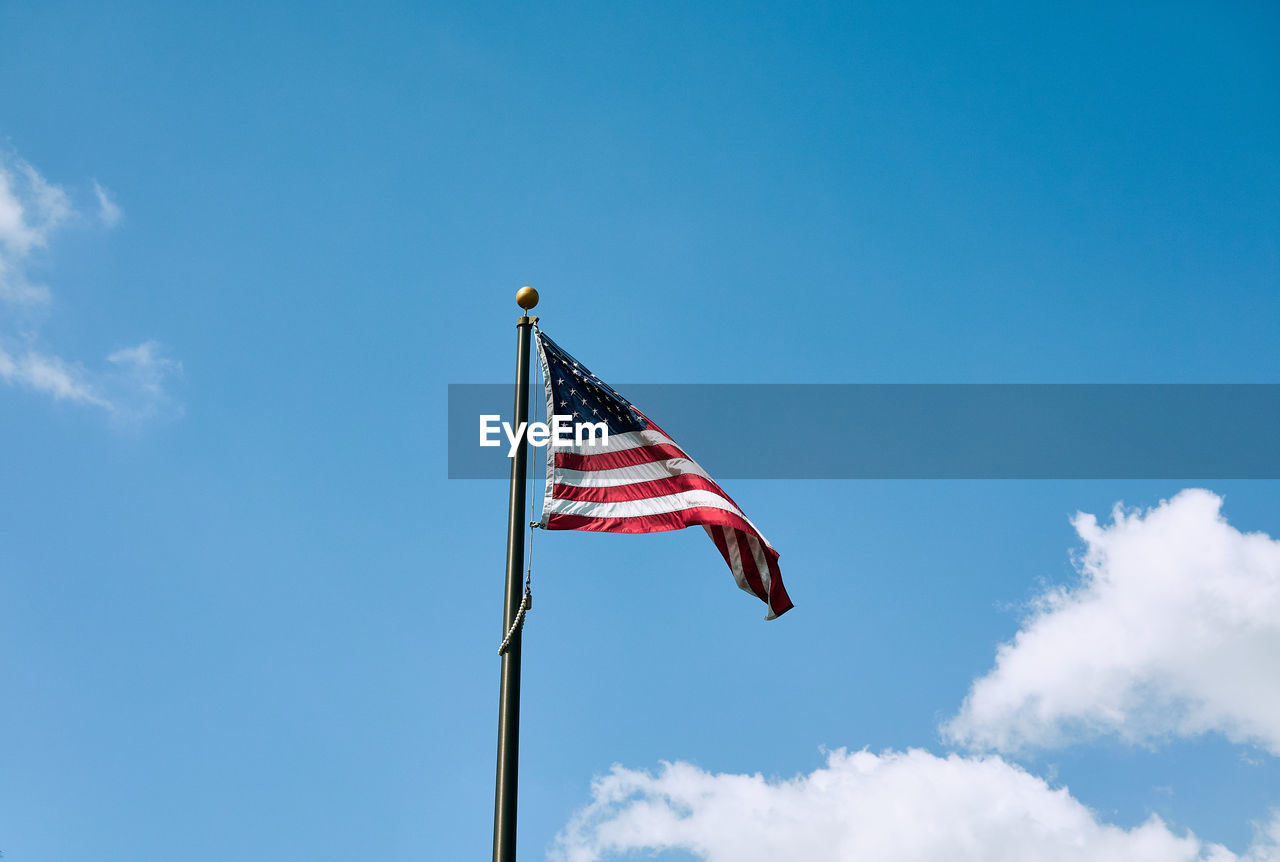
[505, 787]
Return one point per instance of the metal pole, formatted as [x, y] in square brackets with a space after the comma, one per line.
[505, 789]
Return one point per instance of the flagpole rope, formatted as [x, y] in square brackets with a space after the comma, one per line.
[526, 601]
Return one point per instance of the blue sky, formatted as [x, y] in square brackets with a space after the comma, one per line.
[243, 250]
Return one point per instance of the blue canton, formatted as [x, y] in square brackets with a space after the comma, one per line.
[582, 396]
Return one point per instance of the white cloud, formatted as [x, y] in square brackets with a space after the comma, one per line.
[133, 388]
[109, 212]
[16, 290]
[145, 363]
[139, 381]
[30, 207]
[1173, 630]
[30, 210]
[50, 375]
[909, 806]
[132, 384]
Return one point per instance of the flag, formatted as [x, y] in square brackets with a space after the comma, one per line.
[641, 481]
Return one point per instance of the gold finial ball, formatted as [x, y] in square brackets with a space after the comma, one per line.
[526, 297]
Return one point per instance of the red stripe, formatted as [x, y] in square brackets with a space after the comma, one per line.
[614, 460]
[779, 601]
[624, 459]
[638, 490]
[651, 523]
[717, 536]
[749, 566]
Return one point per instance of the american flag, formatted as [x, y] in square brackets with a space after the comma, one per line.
[641, 481]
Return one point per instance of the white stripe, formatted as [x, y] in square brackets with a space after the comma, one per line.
[637, 508]
[735, 558]
[762, 565]
[549, 474]
[629, 475]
